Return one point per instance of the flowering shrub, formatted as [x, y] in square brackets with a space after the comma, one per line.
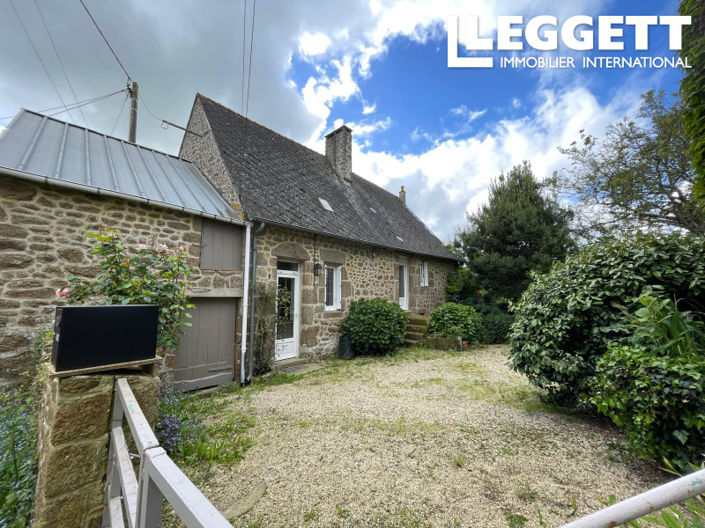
[146, 276]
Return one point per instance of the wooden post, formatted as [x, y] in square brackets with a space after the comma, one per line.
[134, 92]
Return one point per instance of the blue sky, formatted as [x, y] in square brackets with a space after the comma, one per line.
[379, 66]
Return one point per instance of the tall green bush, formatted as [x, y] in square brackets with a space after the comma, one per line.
[566, 318]
[455, 321]
[374, 326]
[653, 383]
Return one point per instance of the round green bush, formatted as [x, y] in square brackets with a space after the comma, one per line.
[565, 319]
[454, 320]
[374, 326]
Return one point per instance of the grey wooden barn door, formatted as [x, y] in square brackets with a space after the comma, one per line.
[206, 353]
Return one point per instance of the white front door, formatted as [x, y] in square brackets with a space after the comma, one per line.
[404, 284]
[286, 345]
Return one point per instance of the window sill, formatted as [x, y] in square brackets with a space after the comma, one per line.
[332, 309]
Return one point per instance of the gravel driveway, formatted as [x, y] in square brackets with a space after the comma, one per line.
[422, 439]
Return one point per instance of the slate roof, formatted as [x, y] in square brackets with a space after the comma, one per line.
[55, 152]
[280, 181]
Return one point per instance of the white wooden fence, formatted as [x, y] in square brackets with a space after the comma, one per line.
[655, 499]
[137, 499]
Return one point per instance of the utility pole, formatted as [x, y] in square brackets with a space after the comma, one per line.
[133, 91]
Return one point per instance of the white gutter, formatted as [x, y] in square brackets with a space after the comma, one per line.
[92, 189]
[245, 303]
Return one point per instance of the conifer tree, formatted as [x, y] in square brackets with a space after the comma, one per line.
[518, 230]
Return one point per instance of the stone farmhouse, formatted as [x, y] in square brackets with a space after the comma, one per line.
[249, 205]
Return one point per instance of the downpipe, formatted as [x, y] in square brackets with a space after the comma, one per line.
[245, 298]
[253, 278]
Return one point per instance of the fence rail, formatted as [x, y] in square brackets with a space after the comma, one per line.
[655, 499]
[137, 498]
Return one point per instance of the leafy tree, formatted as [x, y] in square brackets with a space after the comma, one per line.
[639, 176]
[520, 229]
[693, 88]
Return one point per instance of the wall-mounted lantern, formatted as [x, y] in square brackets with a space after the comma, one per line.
[317, 269]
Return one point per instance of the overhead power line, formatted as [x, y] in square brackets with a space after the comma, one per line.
[36, 52]
[249, 70]
[242, 75]
[71, 106]
[61, 63]
[89, 101]
[127, 96]
[129, 78]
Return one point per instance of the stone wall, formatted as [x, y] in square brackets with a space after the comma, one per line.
[74, 421]
[42, 241]
[367, 273]
[204, 152]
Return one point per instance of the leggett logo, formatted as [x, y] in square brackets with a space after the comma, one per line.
[577, 33]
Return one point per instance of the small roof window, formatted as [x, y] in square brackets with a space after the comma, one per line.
[373, 210]
[325, 204]
[400, 239]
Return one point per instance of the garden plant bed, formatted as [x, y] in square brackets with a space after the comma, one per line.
[421, 438]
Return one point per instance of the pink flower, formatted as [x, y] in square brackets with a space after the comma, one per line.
[181, 248]
[162, 248]
[63, 293]
[142, 246]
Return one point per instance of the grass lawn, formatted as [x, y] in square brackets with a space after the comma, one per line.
[421, 438]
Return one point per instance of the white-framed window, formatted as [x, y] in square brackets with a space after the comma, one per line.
[424, 273]
[332, 287]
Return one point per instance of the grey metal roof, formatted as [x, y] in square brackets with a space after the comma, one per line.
[65, 154]
[282, 182]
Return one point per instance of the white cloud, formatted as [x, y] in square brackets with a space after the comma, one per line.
[369, 109]
[367, 128]
[469, 115]
[320, 93]
[311, 44]
[456, 172]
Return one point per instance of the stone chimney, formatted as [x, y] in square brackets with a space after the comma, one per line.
[339, 152]
[402, 195]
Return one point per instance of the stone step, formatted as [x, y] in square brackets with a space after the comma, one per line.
[416, 319]
[286, 363]
[416, 336]
[417, 328]
[411, 343]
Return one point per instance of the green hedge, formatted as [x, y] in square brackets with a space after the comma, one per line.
[374, 326]
[455, 320]
[652, 384]
[494, 328]
[566, 318]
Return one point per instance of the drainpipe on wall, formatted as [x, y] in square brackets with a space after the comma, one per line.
[245, 298]
[252, 304]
